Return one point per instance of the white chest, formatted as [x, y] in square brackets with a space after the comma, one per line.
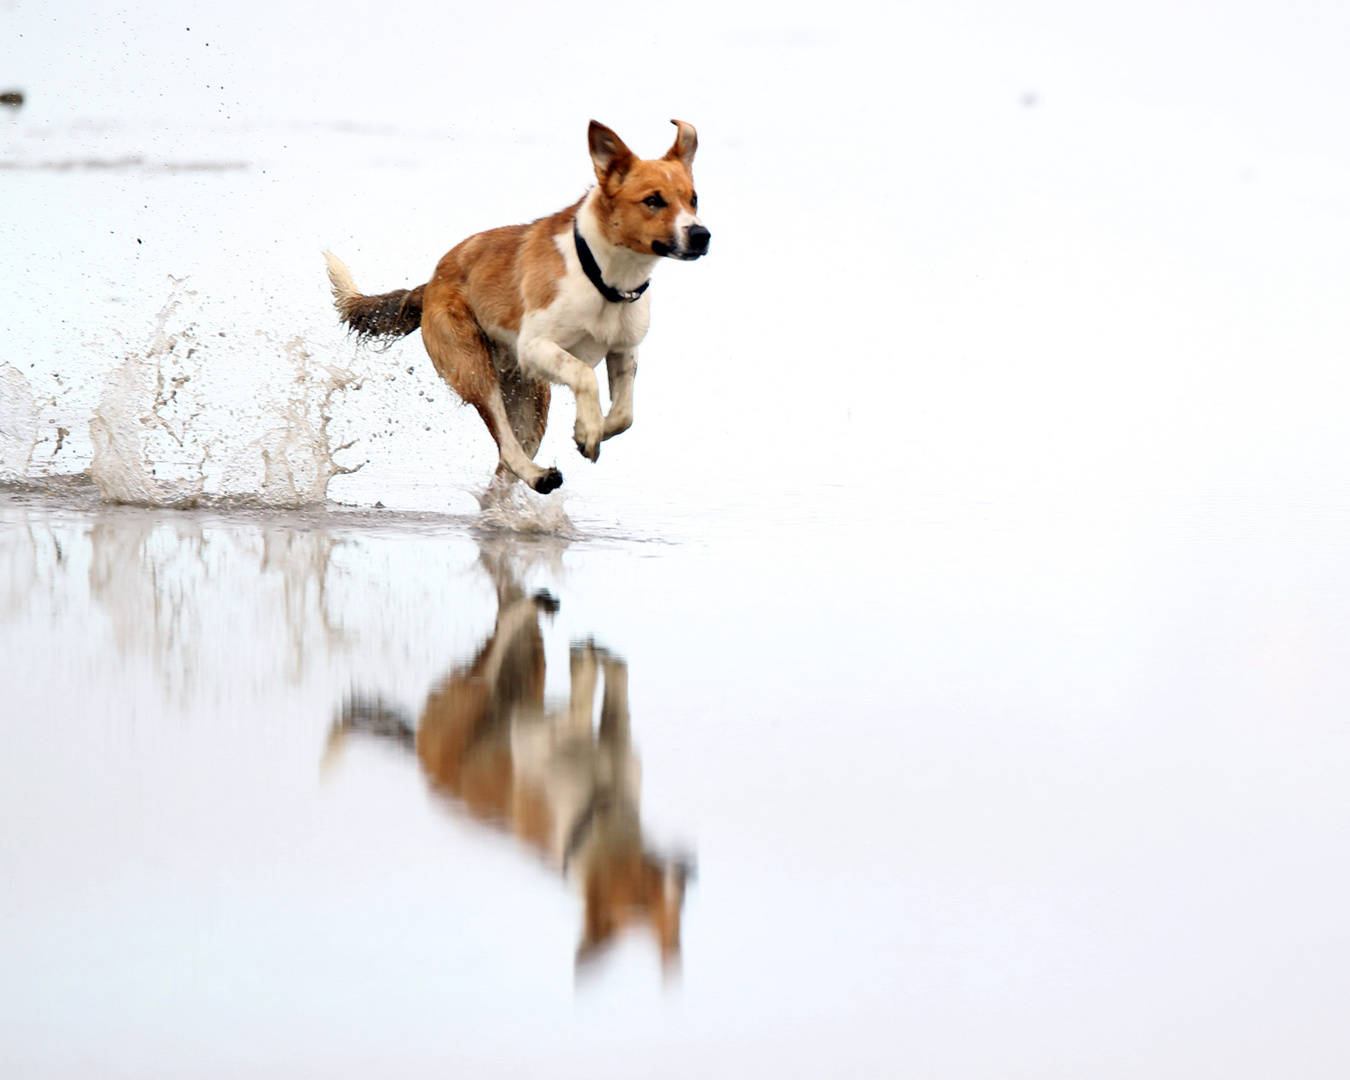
[588, 326]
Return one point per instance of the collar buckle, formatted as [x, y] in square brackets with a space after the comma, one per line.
[592, 269]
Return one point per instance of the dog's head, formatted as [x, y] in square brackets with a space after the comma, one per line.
[649, 206]
[627, 886]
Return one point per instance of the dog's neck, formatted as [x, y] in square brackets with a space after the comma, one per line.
[621, 268]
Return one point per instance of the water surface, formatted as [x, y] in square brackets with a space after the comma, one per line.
[990, 790]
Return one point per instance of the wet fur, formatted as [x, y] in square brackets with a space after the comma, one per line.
[387, 317]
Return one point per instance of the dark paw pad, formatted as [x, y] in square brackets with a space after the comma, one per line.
[546, 602]
[548, 482]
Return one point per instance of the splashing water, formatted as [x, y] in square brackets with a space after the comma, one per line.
[297, 456]
[516, 508]
[18, 423]
[189, 417]
[207, 409]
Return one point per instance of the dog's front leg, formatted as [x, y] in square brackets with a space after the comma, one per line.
[614, 705]
[622, 367]
[547, 359]
[585, 674]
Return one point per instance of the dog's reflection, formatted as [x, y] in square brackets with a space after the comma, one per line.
[563, 785]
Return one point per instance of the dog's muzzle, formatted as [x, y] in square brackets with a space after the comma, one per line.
[695, 245]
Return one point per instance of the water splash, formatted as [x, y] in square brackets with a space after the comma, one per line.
[210, 404]
[188, 417]
[516, 508]
[123, 431]
[18, 423]
[298, 454]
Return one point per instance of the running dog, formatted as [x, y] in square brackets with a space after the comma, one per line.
[512, 310]
[566, 787]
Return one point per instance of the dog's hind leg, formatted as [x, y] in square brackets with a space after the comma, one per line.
[512, 455]
[526, 404]
[463, 358]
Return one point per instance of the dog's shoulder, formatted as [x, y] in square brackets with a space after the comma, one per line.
[542, 265]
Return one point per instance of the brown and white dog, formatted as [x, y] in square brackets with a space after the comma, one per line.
[566, 787]
[512, 310]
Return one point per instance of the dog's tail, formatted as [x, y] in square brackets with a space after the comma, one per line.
[384, 318]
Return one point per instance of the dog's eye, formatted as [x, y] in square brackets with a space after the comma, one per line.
[654, 201]
[693, 200]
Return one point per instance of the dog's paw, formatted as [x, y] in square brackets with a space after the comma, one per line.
[546, 602]
[591, 452]
[550, 480]
[587, 436]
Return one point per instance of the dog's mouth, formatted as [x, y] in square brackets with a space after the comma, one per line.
[670, 250]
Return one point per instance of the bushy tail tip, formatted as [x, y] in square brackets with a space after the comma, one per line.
[384, 318]
[344, 288]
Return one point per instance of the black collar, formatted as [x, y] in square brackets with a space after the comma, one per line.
[592, 268]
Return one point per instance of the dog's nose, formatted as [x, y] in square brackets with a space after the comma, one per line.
[698, 239]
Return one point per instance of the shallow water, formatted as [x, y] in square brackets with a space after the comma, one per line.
[976, 566]
[993, 790]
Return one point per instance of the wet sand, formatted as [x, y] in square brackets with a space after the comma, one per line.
[992, 791]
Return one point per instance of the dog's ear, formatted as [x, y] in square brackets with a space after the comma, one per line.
[686, 142]
[611, 158]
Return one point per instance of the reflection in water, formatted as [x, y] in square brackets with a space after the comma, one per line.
[163, 581]
[563, 785]
[214, 606]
